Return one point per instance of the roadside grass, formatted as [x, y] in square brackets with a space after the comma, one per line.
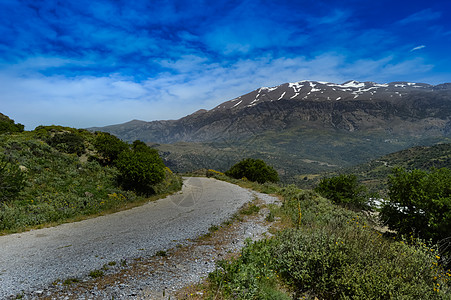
[96, 273]
[62, 187]
[323, 251]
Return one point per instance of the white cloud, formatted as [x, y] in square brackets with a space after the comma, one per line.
[417, 48]
[421, 16]
[97, 101]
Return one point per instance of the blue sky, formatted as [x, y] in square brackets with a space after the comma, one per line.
[94, 63]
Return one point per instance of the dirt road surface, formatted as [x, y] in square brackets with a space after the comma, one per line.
[33, 259]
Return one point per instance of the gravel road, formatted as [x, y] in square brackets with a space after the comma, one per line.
[32, 260]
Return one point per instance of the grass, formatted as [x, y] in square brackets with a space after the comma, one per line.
[96, 273]
[71, 280]
[250, 209]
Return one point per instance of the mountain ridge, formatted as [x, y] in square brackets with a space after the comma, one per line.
[349, 106]
[314, 126]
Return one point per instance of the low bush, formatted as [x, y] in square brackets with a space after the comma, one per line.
[254, 170]
[67, 142]
[343, 189]
[250, 276]
[355, 263]
[12, 180]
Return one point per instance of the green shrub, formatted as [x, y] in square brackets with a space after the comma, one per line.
[109, 147]
[12, 180]
[250, 209]
[67, 142]
[251, 276]
[253, 170]
[343, 189]
[140, 170]
[8, 125]
[355, 263]
[420, 203]
[332, 254]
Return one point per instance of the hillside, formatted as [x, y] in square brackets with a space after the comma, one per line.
[302, 127]
[374, 174]
[54, 174]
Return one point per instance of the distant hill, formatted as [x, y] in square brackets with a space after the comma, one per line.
[303, 126]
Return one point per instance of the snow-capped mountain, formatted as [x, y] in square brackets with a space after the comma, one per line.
[393, 108]
[314, 90]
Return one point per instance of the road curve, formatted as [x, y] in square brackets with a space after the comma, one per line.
[31, 260]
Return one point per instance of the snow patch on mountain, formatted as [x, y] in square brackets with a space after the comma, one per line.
[353, 84]
[320, 90]
[281, 96]
[269, 89]
[237, 103]
[314, 89]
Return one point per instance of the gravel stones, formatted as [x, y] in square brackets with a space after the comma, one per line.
[31, 261]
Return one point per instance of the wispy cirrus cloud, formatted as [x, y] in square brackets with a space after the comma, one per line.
[417, 48]
[424, 15]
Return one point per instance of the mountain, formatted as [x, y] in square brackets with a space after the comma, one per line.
[393, 107]
[303, 125]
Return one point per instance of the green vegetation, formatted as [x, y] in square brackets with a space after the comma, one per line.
[161, 253]
[343, 189]
[140, 169]
[67, 142]
[420, 203]
[109, 147]
[96, 273]
[250, 209]
[12, 179]
[329, 252]
[71, 280]
[375, 173]
[253, 170]
[56, 174]
[9, 126]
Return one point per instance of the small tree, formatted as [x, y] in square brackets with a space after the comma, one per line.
[12, 180]
[343, 189]
[420, 203]
[109, 147]
[254, 170]
[140, 169]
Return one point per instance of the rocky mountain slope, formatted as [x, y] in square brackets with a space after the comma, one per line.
[307, 124]
[400, 107]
